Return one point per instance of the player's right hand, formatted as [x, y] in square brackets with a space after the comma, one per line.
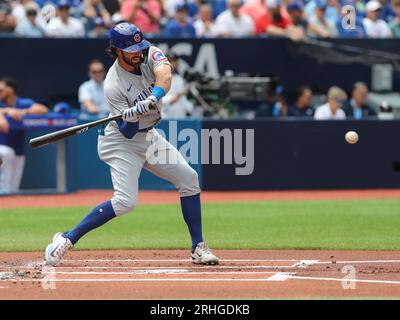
[130, 115]
[133, 114]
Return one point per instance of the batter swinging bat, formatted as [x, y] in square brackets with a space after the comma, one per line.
[65, 133]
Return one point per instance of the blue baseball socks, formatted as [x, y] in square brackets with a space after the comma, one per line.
[96, 218]
[191, 209]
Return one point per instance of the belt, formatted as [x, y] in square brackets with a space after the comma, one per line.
[146, 129]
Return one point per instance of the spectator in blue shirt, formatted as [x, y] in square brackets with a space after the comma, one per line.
[13, 108]
[218, 6]
[98, 29]
[387, 12]
[180, 25]
[72, 3]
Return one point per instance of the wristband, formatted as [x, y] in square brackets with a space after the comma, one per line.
[158, 92]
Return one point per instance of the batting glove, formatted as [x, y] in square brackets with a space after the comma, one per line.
[131, 115]
[149, 103]
[140, 109]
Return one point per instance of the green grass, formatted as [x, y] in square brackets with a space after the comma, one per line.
[366, 224]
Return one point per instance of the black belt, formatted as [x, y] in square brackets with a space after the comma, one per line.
[146, 129]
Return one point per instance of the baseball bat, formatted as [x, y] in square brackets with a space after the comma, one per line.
[68, 132]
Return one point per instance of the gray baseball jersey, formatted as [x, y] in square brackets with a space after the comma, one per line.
[127, 151]
[124, 89]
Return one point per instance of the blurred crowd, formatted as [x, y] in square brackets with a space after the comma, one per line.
[336, 105]
[295, 19]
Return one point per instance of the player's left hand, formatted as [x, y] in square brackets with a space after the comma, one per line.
[140, 109]
[150, 103]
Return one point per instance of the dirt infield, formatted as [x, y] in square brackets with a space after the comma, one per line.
[169, 274]
[94, 197]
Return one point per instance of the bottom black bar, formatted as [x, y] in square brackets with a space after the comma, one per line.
[202, 309]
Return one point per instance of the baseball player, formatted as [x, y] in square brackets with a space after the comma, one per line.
[134, 87]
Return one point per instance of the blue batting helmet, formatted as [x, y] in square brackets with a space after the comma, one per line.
[128, 38]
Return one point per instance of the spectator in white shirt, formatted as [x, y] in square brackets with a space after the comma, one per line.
[230, 23]
[91, 93]
[20, 7]
[28, 27]
[204, 25]
[65, 26]
[332, 110]
[375, 27]
[175, 103]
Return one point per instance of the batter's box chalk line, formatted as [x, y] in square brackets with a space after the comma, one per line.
[164, 272]
[304, 263]
[76, 267]
[176, 260]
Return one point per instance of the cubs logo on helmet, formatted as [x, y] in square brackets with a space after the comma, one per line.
[137, 37]
[128, 38]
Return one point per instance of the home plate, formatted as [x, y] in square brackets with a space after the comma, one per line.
[280, 276]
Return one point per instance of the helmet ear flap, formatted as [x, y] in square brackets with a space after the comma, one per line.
[145, 55]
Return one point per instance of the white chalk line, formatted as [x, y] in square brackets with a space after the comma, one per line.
[140, 280]
[341, 279]
[309, 262]
[141, 272]
[25, 268]
[357, 261]
[283, 278]
[304, 263]
[175, 260]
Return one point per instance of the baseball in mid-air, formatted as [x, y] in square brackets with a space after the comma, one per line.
[351, 137]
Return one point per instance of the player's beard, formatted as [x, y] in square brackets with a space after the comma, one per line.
[134, 65]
